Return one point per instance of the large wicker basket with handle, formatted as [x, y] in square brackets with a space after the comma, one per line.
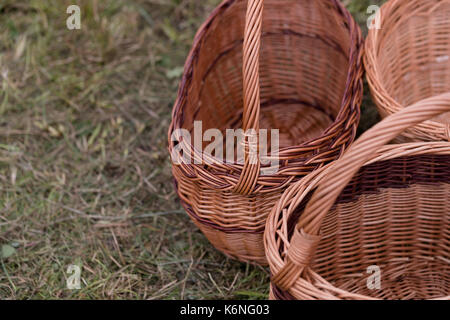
[295, 66]
[408, 59]
[375, 224]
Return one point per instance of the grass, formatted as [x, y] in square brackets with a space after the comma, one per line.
[84, 171]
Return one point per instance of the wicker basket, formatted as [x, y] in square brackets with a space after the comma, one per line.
[408, 60]
[379, 206]
[295, 66]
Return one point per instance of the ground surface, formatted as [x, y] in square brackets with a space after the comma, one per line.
[84, 171]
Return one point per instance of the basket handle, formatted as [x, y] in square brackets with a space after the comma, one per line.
[250, 116]
[306, 234]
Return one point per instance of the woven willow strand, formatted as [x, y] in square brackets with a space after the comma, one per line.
[252, 45]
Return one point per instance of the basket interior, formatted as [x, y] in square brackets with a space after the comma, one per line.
[394, 215]
[304, 66]
[414, 52]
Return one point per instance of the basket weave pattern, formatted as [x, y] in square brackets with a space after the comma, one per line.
[384, 206]
[408, 60]
[290, 65]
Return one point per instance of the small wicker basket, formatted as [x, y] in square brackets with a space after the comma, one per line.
[379, 206]
[295, 66]
[408, 60]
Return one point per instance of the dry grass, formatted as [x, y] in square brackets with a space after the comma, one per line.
[84, 171]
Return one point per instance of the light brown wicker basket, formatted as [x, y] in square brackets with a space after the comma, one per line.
[384, 206]
[295, 66]
[408, 60]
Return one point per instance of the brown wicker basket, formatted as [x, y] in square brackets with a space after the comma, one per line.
[408, 60]
[295, 66]
[378, 206]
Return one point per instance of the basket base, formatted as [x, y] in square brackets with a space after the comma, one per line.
[244, 247]
[297, 122]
